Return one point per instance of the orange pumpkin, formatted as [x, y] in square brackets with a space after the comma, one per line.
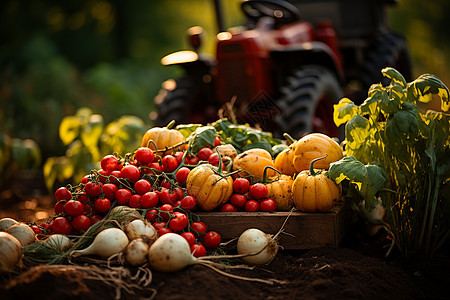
[312, 146]
[253, 161]
[314, 191]
[164, 137]
[284, 161]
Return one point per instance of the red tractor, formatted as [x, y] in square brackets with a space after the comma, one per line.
[287, 67]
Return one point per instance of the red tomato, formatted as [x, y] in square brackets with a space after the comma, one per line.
[167, 197]
[74, 208]
[238, 200]
[188, 202]
[182, 175]
[179, 192]
[179, 156]
[87, 209]
[179, 222]
[130, 173]
[169, 163]
[151, 215]
[83, 198]
[149, 200]
[93, 189]
[109, 163]
[268, 205]
[122, 196]
[192, 161]
[258, 191]
[165, 211]
[214, 159]
[144, 155]
[159, 225]
[142, 186]
[102, 176]
[114, 176]
[198, 228]
[198, 250]
[241, 185]
[251, 205]
[217, 141]
[110, 189]
[59, 207]
[135, 201]
[228, 207]
[102, 205]
[63, 194]
[61, 225]
[81, 223]
[212, 240]
[204, 153]
[85, 179]
[190, 238]
[95, 218]
[163, 231]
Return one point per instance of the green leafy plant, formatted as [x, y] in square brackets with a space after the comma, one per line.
[88, 140]
[413, 148]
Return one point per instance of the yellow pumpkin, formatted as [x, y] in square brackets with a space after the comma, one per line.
[209, 188]
[164, 137]
[253, 161]
[312, 146]
[284, 161]
[313, 191]
[280, 191]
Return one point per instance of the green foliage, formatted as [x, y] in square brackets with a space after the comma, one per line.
[412, 147]
[88, 140]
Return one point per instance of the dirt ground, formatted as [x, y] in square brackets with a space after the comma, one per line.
[357, 269]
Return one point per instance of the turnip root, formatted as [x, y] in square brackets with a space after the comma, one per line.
[170, 253]
[141, 229]
[5, 223]
[23, 233]
[258, 248]
[108, 242]
[136, 253]
[10, 252]
[124, 214]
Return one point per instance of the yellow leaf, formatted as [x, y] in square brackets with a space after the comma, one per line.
[69, 129]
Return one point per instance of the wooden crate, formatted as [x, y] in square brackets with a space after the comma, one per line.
[303, 230]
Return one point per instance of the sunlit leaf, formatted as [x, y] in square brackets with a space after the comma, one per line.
[427, 85]
[202, 137]
[356, 131]
[395, 76]
[344, 111]
[187, 129]
[69, 129]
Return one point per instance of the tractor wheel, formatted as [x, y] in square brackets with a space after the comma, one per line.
[306, 103]
[388, 50]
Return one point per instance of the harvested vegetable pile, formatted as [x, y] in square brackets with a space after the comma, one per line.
[131, 224]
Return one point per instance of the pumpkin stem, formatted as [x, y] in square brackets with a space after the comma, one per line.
[170, 125]
[289, 138]
[311, 167]
[265, 176]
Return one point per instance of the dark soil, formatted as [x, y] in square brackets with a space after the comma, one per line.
[355, 270]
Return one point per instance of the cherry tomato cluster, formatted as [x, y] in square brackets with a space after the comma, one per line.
[152, 184]
[249, 197]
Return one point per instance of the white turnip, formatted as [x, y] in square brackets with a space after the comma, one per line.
[136, 253]
[58, 242]
[108, 242]
[141, 229]
[258, 248]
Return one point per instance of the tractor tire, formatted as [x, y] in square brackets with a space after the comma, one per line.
[306, 103]
[388, 50]
[172, 101]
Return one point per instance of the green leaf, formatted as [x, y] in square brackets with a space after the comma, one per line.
[187, 129]
[91, 133]
[357, 131]
[344, 111]
[69, 129]
[202, 137]
[367, 178]
[427, 85]
[395, 76]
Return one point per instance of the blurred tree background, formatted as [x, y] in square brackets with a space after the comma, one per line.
[58, 56]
